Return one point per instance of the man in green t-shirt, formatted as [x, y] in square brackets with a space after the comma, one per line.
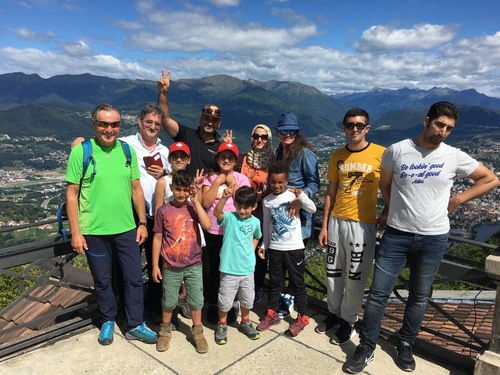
[101, 219]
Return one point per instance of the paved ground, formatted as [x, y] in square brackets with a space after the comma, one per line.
[274, 353]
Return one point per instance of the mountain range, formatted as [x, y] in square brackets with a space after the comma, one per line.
[59, 106]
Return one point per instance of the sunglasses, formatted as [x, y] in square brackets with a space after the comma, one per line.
[264, 137]
[288, 132]
[105, 124]
[212, 112]
[358, 125]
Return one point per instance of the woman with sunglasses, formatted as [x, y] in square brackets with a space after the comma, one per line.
[296, 151]
[254, 165]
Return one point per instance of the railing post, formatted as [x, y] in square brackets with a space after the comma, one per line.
[489, 362]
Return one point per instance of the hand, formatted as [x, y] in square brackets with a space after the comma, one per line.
[294, 208]
[79, 244]
[156, 171]
[227, 193]
[142, 234]
[77, 141]
[193, 192]
[262, 253]
[164, 82]
[296, 191]
[229, 136]
[220, 179]
[198, 179]
[231, 181]
[156, 274]
[323, 237]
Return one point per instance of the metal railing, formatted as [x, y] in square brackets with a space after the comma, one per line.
[55, 255]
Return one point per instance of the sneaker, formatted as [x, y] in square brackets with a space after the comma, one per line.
[271, 319]
[331, 322]
[142, 333]
[221, 334]
[200, 343]
[298, 324]
[183, 307]
[232, 314]
[286, 305]
[164, 336]
[259, 292]
[404, 358]
[212, 314]
[344, 334]
[106, 334]
[361, 358]
[249, 331]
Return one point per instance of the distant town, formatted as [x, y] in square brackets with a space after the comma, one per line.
[29, 195]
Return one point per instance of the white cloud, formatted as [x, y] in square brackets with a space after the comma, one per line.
[169, 33]
[420, 37]
[225, 3]
[28, 34]
[48, 64]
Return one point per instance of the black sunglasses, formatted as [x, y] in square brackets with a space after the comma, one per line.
[264, 137]
[358, 125]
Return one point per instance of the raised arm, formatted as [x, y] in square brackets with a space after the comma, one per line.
[169, 124]
[485, 180]
[219, 207]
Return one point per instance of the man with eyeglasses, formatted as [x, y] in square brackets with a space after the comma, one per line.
[349, 225]
[203, 141]
[100, 208]
[148, 146]
[416, 178]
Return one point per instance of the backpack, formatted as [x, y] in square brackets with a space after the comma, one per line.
[61, 213]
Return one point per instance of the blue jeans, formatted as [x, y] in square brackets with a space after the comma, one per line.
[423, 255]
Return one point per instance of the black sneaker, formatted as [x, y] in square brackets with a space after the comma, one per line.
[331, 322]
[344, 334]
[361, 358]
[404, 358]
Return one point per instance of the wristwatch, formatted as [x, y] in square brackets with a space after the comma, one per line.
[143, 223]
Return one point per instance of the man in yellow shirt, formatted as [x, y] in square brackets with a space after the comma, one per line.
[349, 225]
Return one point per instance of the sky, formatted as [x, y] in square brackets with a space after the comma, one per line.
[337, 46]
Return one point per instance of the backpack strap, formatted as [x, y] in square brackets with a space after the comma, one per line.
[126, 151]
[87, 160]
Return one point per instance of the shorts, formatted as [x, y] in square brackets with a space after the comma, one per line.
[232, 286]
[171, 282]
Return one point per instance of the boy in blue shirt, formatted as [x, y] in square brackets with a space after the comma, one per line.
[237, 259]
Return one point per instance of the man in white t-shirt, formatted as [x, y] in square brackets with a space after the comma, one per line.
[415, 181]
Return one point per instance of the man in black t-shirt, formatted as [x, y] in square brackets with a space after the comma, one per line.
[203, 141]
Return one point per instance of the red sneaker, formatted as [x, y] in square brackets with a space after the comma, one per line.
[271, 319]
[298, 324]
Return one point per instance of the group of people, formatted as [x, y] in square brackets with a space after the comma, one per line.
[212, 221]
